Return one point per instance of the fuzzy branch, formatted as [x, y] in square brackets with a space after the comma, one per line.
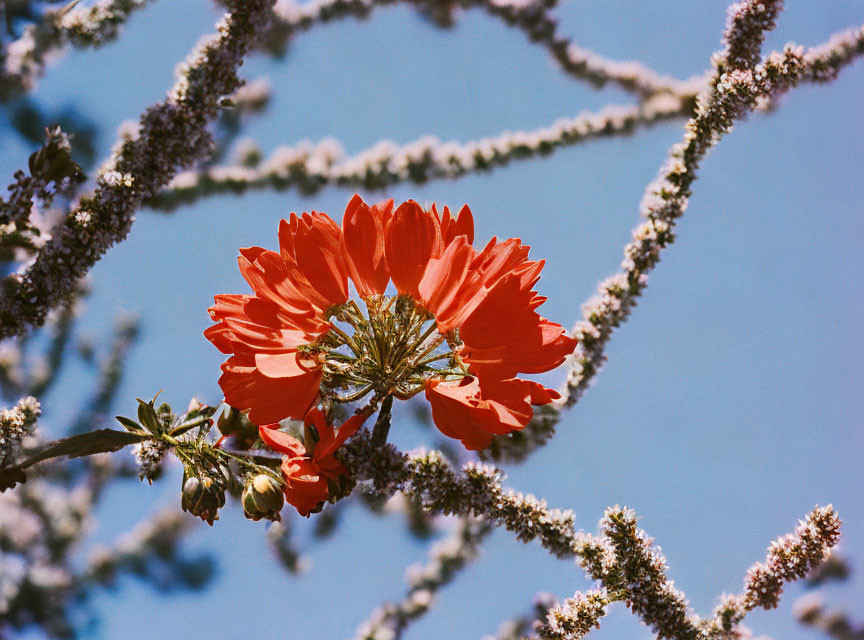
[623, 559]
[735, 93]
[789, 558]
[23, 60]
[172, 135]
[309, 167]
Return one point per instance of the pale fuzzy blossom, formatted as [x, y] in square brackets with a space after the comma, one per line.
[116, 179]
[83, 218]
[15, 424]
[149, 455]
[576, 617]
[209, 74]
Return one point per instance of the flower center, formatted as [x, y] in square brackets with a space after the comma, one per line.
[393, 348]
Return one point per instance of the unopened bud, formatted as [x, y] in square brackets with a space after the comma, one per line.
[262, 498]
[203, 497]
[192, 491]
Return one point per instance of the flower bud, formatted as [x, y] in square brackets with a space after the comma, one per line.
[262, 498]
[203, 497]
[192, 491]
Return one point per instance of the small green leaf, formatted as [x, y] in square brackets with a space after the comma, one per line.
[147, 416]
[131, 425]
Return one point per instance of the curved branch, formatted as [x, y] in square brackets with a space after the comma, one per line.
[530, 16]
[173, 135]
[623, 558]
[310, 167]
[736, 93]
[23, 60]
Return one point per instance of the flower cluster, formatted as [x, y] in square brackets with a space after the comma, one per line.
[461, 326]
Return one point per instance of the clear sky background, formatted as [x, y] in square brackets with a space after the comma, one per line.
[732, 400]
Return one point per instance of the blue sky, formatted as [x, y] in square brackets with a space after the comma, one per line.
[731, 403]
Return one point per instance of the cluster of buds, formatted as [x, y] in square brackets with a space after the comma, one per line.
[210, 468]
[204, 491]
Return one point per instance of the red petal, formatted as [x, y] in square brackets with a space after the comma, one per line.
[305, 487]
[267, 399]
[348, 429]
[500, 258]
[502, 316]
[318, 252]
[443, 281]
[539, 349]
[464, 225]
[285, 365]
[363, 244]
[455, 415]
[473, 410]
[281, 441]
[411, 238]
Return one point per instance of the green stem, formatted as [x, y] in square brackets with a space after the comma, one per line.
[356, 395]
[433, 358]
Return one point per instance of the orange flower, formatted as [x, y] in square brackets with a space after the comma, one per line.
[306, 474]
[462, 326]
[473, 410]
